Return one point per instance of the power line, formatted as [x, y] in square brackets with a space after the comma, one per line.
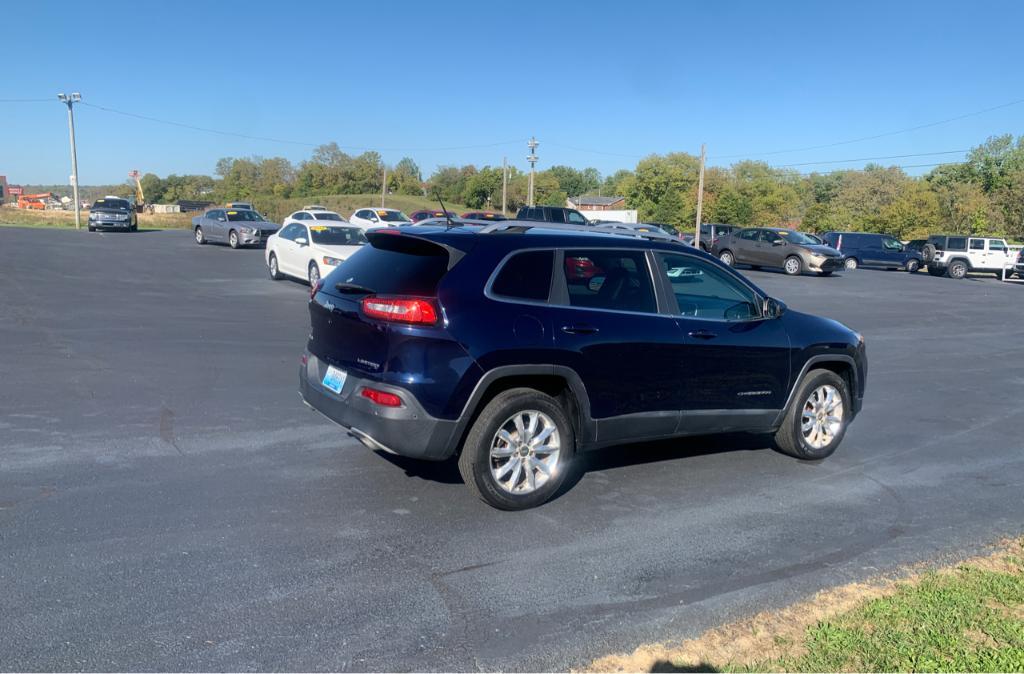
[296, 142]
[879, 135]
[893, 156]
[850, 170]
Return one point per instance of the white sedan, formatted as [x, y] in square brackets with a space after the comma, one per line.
[379, 217]
[311, 251]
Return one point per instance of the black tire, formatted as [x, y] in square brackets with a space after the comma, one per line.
[475, 462]
[793, 269]
[233, 240]
[313, 274]
[957, 269]
[850, 264]
[789, 439]
[928, 252]
[273, 269]
[727, 258]
[200, 236]
[91, 228]
[913, 266]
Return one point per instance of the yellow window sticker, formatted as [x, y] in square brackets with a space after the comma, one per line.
[232, 212]
[318, 228]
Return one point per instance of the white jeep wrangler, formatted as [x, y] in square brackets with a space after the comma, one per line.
[955, 256]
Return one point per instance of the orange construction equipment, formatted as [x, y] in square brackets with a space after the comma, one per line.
[35, 201]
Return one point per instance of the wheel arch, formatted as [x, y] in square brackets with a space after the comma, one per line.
[841, 364]
[559, 382]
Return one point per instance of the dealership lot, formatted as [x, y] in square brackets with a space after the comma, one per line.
[167, 502]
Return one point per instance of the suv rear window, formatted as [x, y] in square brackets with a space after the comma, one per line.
[394, 267]
[956, 243]
[525, 276]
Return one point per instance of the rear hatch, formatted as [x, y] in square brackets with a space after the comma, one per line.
[394, 268]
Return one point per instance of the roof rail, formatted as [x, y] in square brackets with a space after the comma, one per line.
[505, 225]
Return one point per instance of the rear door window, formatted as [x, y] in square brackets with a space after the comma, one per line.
[576, 218]
[956, 243]
[609, 279]
[526, 276]
[557, 215]
[977, 244]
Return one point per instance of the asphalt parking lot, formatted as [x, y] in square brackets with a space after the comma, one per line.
[168, 503]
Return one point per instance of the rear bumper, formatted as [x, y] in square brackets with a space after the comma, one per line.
[407, 430]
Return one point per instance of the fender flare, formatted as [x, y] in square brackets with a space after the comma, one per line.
[808, 365]
[587, 428]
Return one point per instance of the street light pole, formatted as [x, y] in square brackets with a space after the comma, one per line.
[70, 100]
[504, 185]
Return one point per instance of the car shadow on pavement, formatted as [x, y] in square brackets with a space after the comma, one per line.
[619, 456]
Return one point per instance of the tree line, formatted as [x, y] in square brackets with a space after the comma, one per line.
[984, 194]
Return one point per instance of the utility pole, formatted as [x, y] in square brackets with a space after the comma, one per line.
[700, 197]
[532, 158]
[504, 185]
[70, 101]
[384, 186]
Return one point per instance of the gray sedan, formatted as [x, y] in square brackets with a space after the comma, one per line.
[236, 227]
[793, 251]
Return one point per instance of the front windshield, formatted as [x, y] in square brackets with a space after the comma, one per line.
[244, 216]
[392, 216]
[798, 237]
[121, 204]
[328, 216]
[337, 236]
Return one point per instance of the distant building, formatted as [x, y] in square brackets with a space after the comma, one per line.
[4, 194]
[591, 203]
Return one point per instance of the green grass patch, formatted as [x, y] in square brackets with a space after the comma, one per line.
[965, 620]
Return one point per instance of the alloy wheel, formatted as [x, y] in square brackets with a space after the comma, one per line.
[726, 258]
[792, 266]
[850, 264]
[822, 416]
[524, 452]
[314, 275]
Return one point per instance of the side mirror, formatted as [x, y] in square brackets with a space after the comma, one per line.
[374, 218]
[222, 219]
[778, 242]
[772, 308]
[301, 241]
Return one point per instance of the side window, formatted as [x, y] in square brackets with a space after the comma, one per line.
[557, 215]
[749, 234]
[956, 243]
[891, 244]
[768, 236]
[576, 218]
[977, 244]
[705, 291]
[525, 276]
[216, 215]
[997, 245]
[609, 279]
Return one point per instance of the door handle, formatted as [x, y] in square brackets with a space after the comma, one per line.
[579, 329]
[703, 334]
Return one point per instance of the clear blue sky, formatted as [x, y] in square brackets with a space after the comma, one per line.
[623, 78]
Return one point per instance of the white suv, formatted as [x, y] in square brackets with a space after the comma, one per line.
[955, 256]
[311, 215]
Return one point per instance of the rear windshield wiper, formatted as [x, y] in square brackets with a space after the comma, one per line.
[353, 288]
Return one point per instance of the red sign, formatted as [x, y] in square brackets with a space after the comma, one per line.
[15, 191]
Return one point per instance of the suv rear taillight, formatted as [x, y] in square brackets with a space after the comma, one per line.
[382, 398]
[400, 310]
[315, 288]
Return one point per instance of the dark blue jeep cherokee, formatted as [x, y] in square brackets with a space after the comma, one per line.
[519, 345]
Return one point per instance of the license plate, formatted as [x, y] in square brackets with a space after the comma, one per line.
[335, 379]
